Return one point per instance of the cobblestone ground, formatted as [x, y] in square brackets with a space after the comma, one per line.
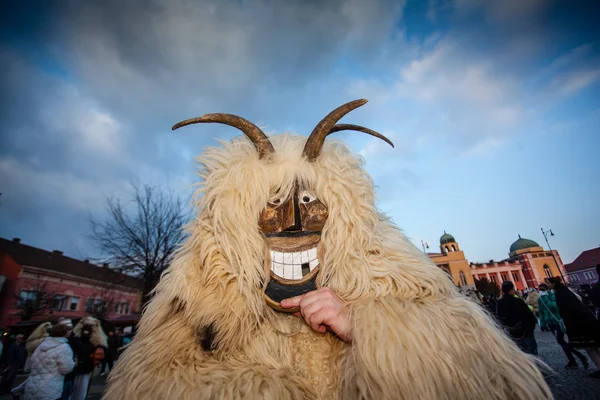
[571, 384]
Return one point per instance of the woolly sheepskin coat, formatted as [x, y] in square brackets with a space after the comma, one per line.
[50, 362]
[414, 335]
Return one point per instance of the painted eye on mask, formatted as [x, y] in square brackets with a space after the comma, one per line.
[306, 197]
[276, 202]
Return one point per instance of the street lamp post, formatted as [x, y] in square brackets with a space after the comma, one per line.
[425, 246]
[545, 233]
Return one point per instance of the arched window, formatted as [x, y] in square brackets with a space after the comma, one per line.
[463, 279]
[547, 271]
[453, 248]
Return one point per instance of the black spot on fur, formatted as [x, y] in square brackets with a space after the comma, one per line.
[177, 305]
[207, 338]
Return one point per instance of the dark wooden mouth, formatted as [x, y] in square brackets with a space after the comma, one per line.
[287, 234]
[277, 291]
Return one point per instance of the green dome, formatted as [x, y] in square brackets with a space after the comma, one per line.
[522, 243]
[447, 238]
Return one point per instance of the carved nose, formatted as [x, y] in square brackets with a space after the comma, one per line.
[292, 220]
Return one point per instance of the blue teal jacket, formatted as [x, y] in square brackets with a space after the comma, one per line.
[548, 310]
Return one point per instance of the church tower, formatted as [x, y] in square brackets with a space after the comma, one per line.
[448, 243]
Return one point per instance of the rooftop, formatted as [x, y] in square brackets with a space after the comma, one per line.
[55, 261]
[522, 244]
[588, 259]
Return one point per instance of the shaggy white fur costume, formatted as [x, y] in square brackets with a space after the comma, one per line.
[414, 335]
[98, 337]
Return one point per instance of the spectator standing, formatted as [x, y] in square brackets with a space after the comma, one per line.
[86, 362]
[518, 319]
[50, 362]
[74, 344]
[16, 355]
[111, 352]
[550, 319]
[595, 293]
[583, 329]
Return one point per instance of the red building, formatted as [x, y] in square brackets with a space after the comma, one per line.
[582, 271]
[41, 285]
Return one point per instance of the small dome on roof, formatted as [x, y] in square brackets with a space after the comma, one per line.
[522, 243]
[447, 238]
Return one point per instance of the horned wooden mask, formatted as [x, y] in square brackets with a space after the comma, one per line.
[291, 224]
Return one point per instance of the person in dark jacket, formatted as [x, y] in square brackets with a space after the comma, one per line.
[583, 329]
[550, 318]
[15, 360]
[595, 293]
[111, 352]
[518, 319]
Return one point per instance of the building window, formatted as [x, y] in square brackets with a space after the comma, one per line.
[27, 297]
[56, 303]
[574, 278]
[453, 248]
[124, 308]
[116, 311]
[60, 302]
[74, 303]
[493, 278]
[463, 279]
[515, 277]
[89, 306]
[547, 271]
[588, 275]
[504, 276]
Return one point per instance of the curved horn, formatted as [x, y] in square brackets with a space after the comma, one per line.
[315, 141]
[258, 137]
[350, 127]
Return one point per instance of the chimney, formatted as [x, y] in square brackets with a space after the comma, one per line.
[105, 265]
[86, 261]
[17, 240]
[57, 252]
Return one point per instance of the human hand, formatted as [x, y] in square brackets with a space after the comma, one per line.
[322, 309]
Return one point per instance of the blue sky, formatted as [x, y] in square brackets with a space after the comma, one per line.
[494, 107]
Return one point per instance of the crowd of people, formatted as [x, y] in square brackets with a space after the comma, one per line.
[61, 367]
[557, 309]
[63, 364]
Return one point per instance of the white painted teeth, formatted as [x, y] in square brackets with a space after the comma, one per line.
[289, 265]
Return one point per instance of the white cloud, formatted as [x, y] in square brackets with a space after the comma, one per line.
[83, 125]
[53, 189]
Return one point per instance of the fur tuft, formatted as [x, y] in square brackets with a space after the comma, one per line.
[415, 336]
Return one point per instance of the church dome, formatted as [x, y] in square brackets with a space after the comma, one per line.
[447, 238]
[522, 243]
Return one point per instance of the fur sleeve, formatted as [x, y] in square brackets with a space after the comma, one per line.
[433, 349]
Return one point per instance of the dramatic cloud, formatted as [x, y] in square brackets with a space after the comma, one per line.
[93, 88]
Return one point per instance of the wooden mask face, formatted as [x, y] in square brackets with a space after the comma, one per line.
[291, 225]
[292, 229]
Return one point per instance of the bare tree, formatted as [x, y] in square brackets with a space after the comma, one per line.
[36, 300]
[104, 300]
[141, 240]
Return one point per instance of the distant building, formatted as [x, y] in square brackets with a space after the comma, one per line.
[582, 271]
[453, 261]
[527, 266]
[41, 285]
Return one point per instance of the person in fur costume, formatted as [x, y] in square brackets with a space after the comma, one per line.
[292, 285]
[89, 340]
[34, 340]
